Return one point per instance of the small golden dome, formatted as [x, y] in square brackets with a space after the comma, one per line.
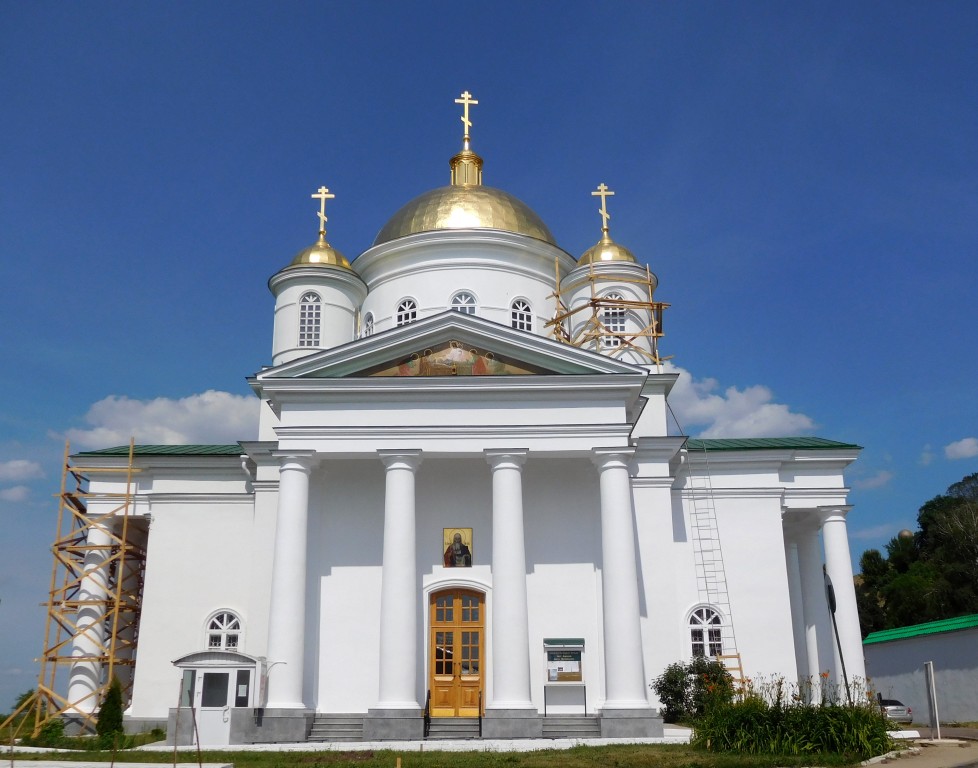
[606, 249]
[464, 207]
[319, 252]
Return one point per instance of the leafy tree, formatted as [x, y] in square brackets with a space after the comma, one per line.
[930, 575]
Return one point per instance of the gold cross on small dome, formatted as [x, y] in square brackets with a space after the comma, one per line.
[604, 193]
[322, 194]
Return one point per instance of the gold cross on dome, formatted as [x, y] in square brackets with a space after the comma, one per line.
[322, 194]
[466, 101]
[604, 193]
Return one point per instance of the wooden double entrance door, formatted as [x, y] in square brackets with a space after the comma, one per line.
[456, 655]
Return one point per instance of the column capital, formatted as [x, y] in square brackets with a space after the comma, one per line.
[608, 458]
[512, 458]
[833, 514]
[400, 459]
[303, 460]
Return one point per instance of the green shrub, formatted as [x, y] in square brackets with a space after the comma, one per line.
[110, 713]
[51, 734]
[779, 722]
[687, 690]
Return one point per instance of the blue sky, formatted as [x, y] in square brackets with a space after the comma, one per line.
[802, 177]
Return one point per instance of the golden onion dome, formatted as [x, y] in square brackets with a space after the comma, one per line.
[604, 250]
[470, 206]
[319, 252]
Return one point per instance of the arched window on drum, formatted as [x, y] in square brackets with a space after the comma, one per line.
[521, 315]
[310, 319]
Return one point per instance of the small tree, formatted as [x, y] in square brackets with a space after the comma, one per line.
[687, 690]
[110, 714]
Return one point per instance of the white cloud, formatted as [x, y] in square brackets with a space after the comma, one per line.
[926, 456]
[747, 412]
[209, 417]
[878, 480]
[17, 493]
[19, 469]
[962, 449]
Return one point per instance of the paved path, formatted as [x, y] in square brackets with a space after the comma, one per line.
[946, 753]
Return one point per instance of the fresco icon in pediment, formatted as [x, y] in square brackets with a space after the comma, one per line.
[454, 359]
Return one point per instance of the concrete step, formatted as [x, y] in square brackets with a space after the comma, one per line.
[337, 727]
[571, 727]
[454, 728]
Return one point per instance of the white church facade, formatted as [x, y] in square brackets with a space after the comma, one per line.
[464, 505]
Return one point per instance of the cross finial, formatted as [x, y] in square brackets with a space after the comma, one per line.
[604, 193]
[466, 101]
[322, 194]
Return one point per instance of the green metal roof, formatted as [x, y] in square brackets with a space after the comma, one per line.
[169, 450]
[917, 630]
[766, 444]
[694, 444]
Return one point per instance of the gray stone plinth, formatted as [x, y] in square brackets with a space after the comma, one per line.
[270, 726]
[512, 724]
[247, 726]
[142, 724]
[393, 725]
[625, 723]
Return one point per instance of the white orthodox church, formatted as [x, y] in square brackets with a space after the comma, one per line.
[464, 507]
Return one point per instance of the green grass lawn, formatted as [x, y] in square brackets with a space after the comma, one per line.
[618, 756]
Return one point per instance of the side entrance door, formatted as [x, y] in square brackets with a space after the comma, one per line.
[456, 652]
[214, 706]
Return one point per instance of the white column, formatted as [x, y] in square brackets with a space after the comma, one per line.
[814, 606]
[510, 624]
[838, 566]
[287, 612]
[399, 586]
[89, 643]
[797, 607]
[625, 683]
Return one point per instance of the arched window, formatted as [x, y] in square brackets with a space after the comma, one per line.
[310, 317]
[613, 320]
[224, 632]
[368, 325]
[407, 312]
[706, 632]
[464, 302]
[522, 315]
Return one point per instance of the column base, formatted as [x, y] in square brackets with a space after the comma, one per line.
[76, 725]
[393, 725]
[629, 723]
[512, 724]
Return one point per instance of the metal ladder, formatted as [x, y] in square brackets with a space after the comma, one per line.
[711, 575]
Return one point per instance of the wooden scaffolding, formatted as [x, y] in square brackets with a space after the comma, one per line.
[589, 318]
[93, 601]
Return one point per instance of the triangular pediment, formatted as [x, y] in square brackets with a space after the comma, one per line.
[449, 344]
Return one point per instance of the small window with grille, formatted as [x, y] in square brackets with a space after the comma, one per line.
[310, 318]
[224, 632]
[521, 317]
[706, 632]
[407, 312]
[613, 320]
[464, 302]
